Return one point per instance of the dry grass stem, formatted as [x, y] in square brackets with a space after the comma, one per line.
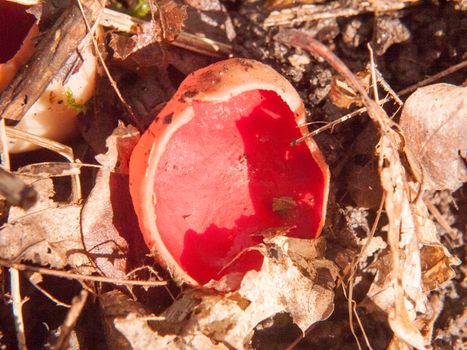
[439, 217]
[50, 296]
[63, 150]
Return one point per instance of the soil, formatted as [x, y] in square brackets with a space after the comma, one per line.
[410, 44]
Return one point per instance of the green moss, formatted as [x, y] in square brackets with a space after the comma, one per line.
[71, 102]
[140, 9]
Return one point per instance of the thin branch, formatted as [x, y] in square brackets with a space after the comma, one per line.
[313, 12]
[79, 277]
[433, 78]
[112, 81]
[402, 92]
[49, 296]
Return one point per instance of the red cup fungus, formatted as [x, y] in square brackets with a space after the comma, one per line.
[52, 116]
[218, 169]
[17, 29]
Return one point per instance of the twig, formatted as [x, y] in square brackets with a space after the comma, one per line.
[433, 78]
[55, 169]
[374, 80]
[128, 24]
[71, 319]
[350, 311]
[75, 276]
[439, 217]
[17, 304]
[402, 92]
[397, 200]
[104, 65]
[387, 87]
[15, 288]
[155, 273]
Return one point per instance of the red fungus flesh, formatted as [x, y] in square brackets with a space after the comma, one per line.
[229, 175]
[15, 24]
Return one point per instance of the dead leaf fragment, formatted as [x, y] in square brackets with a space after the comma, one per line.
[109, 225]
[434, 122]
[47, 234]
[295, 278]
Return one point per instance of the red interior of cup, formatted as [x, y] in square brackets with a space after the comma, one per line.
[231, 175]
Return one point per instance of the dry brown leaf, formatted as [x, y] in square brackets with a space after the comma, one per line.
[434, 122]
[46, 234]
[294, 278]
[109, 225]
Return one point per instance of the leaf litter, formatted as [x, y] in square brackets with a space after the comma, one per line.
[297, 277]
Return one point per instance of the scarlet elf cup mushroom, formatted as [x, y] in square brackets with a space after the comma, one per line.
[218, 169]
[52, 116]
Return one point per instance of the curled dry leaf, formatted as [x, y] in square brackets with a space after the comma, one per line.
[294, 278]
[110, 230]
[47, 234]
[434, 122]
